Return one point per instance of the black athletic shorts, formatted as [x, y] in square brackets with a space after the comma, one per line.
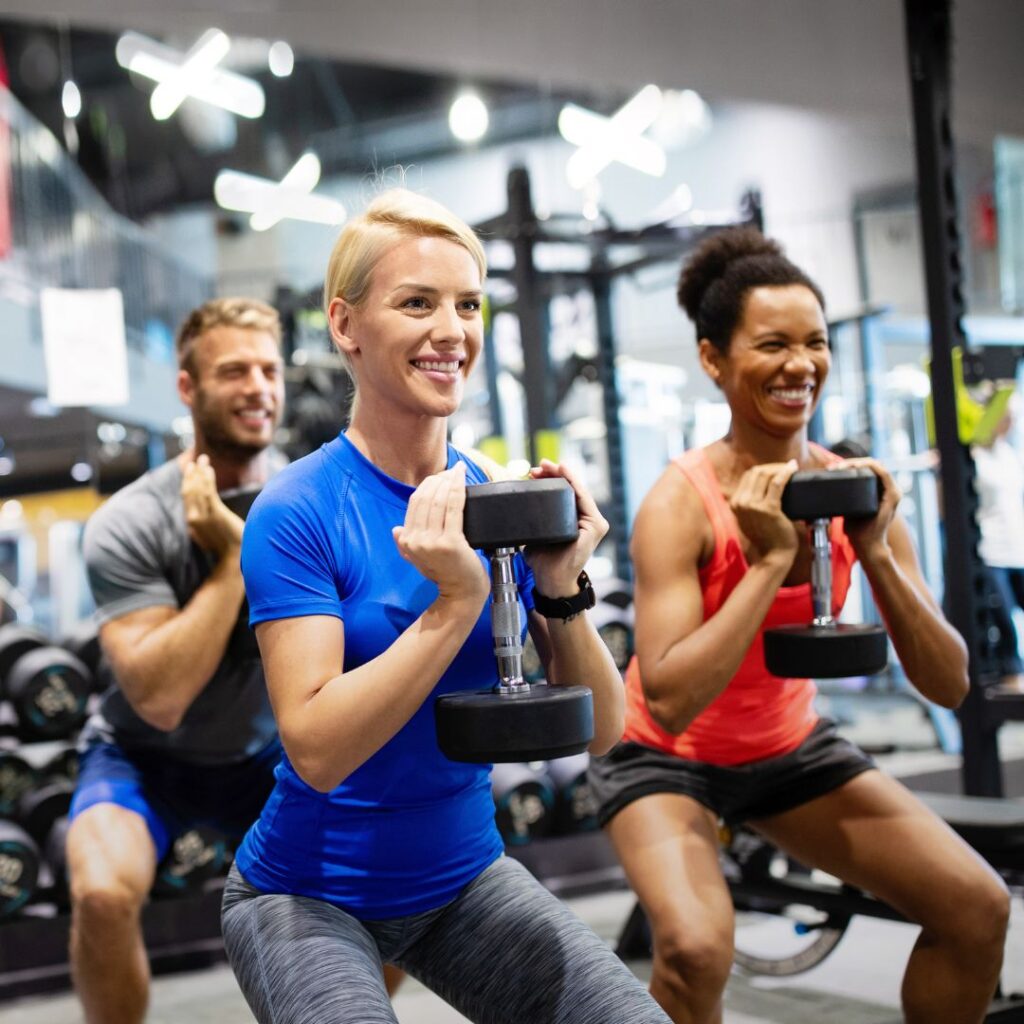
[735, 793]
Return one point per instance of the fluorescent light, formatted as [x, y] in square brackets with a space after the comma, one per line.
[71, 99]
[192, 74]
[270, 201]
[280, 59]
[619, 138]
[468, 117]
[206, 53]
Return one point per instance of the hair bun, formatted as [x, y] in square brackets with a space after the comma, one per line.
[712, 258]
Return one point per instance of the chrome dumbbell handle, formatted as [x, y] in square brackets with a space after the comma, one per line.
[506, 624]
[821, 574]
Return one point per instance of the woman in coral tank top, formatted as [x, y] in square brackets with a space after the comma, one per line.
[711, 734]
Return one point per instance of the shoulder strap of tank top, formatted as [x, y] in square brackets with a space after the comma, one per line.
[696, 467]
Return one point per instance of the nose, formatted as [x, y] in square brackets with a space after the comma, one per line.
[800, 361]
[258, 381]
[448, 327]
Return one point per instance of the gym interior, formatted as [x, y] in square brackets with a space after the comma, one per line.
[154, 159]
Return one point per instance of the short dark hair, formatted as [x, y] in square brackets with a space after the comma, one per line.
[715, 280]
[250, 314]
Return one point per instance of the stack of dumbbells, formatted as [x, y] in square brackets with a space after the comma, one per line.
[47, 689]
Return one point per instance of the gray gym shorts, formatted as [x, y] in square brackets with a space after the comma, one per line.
[735, 793]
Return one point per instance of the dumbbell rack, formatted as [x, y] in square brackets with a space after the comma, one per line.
[182, 932]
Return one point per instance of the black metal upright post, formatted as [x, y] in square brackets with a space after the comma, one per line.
[530, 306]
[618, 513]
[929, 24]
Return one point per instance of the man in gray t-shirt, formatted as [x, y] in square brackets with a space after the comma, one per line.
[185, 733]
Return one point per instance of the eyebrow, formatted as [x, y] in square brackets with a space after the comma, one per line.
[412, 286]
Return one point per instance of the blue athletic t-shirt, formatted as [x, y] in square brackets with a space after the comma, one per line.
[408, 829]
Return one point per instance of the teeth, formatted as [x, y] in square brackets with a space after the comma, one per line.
[448, 367]
[793, 394]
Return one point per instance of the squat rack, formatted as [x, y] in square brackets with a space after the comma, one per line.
[929, 43]
[612, 252]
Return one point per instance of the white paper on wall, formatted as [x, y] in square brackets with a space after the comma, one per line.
[84, 346]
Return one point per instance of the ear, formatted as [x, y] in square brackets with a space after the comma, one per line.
[711, 360]
[186, 387]
[339, 323]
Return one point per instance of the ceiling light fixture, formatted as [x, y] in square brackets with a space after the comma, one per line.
[193, 74]
[280, 59]
[468, 117]
[71, 99]
[270, 201]
[602, 140]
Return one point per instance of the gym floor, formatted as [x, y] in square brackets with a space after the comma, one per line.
[857, 984]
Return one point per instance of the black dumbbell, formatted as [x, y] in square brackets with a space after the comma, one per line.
[63, 765]
[83, 641]
[524, 802]
[195, 855]
[515, 721]
[575, 804]
[48, 688]
[16, 640]
[615, 627]
[40, 808]
[55, 857]
[19, 868]
[825, 648]
[17, 777]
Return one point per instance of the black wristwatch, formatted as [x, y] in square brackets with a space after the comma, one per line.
[566, 608]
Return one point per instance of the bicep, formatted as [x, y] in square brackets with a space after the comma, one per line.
[300, 655]
[121, 638]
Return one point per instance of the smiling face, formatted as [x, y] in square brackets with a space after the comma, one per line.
[236, 393]
[777, 362]
[416, 336]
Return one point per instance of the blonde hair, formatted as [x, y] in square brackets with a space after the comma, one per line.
[392, 217]
[250, 314]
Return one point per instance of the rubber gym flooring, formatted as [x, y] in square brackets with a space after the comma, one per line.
[857, 984]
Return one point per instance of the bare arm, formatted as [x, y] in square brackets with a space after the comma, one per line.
[573, 652]
[685, 662]
[931, 652]
[331, 721]
[163, 657]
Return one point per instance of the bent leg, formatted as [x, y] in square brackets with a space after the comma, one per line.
[507, 951]
[668, 845]
[302, 961]
[111, 862]
[875, 834]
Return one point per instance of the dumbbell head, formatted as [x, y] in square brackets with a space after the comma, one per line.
[483, 726]
[194, 856]
[511, 513]
[48, 689]
[823, 493]
[17, 777]
[83, 641]
[575, 804]
[40, 808]
[523, 802]
[19, 868]
[16, 640]
[826, 652]
[615, 627]
[55, 856]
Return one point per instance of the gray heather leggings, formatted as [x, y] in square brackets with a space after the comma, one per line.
[505, 951]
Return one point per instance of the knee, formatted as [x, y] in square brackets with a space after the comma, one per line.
[977, 920]
[104, 906]
[695, 958]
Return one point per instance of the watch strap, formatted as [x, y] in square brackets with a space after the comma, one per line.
[566, 608]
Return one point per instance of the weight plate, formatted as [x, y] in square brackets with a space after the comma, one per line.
[19, 868]
[48, 689]
[826, 652]
[510, 513]
[15, 641]
[823, 493]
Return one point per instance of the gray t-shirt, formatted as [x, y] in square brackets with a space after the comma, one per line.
[138, 554]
